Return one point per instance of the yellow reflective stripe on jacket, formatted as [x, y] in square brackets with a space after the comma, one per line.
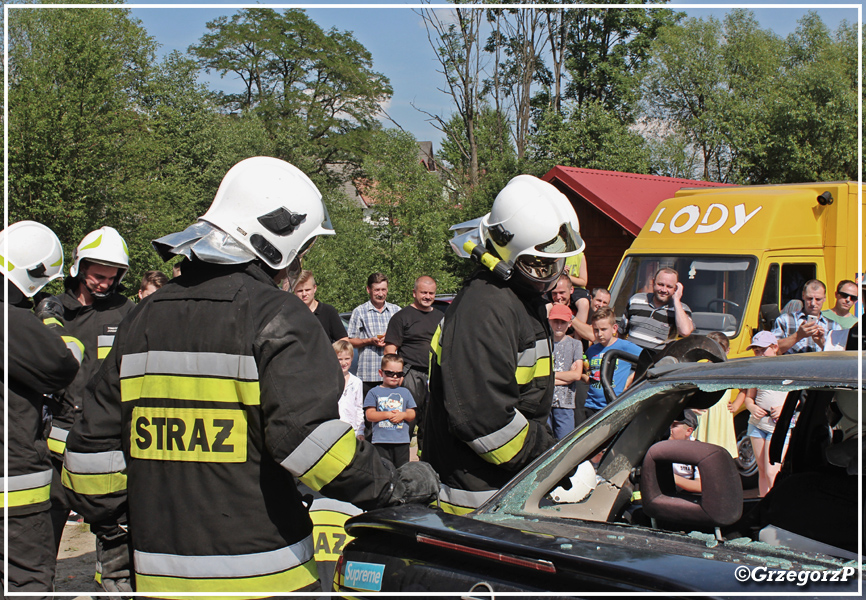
[502, 445]
[190, 388]
[52, 321]
[271, 585]
[203, 376]
[56, 446]
[460, 502]
[24, 490]
[283, 570]
[436, 347]
[533, 362]
[92, 484]
[94, 474]
[329, 534]
[508, 451]
[57, 440]
[103, 345]
[75, 346]
[323, 454]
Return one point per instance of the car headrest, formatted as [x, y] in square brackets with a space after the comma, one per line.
[721, 500]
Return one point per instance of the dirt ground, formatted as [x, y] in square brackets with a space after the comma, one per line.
[76, 561]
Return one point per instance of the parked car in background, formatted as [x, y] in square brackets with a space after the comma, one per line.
[599, 512]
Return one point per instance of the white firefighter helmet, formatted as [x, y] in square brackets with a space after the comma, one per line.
[30, 256]
[105, 247]
[271, 208]
[532, 229]
[583, 483]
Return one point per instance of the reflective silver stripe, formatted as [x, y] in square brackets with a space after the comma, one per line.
[76, 351]
[335, 506]
[499, 438]
[314, 447]
[198, 364]
[30, 481]
[104, 341]
[94, 462]
[58, 434]
[464, 498]
[224, 566]
[530, 356]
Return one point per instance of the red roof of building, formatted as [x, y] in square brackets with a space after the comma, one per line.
[627, 198]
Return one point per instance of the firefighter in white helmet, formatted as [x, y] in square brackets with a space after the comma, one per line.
[491, 381]
[221, 389]
[39, 363]
[90, 309]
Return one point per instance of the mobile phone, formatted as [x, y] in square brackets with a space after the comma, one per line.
[811, 318]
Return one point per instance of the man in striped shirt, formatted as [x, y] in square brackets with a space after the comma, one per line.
[651, 320]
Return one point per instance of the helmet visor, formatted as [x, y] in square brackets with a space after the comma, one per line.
[566, 241]
[540, 268]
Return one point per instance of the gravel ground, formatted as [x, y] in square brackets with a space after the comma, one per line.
[76, 561]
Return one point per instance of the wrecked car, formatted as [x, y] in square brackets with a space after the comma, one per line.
[599, 512]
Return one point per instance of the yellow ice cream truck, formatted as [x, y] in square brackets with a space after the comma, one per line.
[742, 253]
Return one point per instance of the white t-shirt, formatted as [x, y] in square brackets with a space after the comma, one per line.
[351, 404]
[836, 340]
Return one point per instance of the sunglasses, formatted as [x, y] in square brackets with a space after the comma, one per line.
[392, 373]
[849, 296]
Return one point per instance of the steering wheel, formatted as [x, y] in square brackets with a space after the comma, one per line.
[721, 301]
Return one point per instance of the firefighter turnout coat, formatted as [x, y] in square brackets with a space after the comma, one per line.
[491, 389]
[39, 363]
[94, 326]
[220, 389]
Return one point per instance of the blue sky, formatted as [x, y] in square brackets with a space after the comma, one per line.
[397, 40]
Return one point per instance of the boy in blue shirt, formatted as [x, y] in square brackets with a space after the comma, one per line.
[605, 329]
[390, 407]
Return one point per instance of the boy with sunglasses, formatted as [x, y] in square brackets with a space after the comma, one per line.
[390, 408]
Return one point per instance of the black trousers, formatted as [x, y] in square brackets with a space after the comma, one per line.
[396, 453]
[32, 557]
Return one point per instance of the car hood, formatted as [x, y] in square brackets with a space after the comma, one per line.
[646, 558]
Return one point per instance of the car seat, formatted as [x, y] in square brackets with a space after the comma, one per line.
[721, 500]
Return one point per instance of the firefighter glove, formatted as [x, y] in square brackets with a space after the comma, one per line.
[50, 308]
[414, 483]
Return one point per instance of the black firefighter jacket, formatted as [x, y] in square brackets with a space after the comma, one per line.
[39, 363]
[219, 390]
[94, 326]
[491, 389]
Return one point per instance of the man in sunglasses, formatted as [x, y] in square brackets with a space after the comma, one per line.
[491, 381]
[219, 391]
[846, 296]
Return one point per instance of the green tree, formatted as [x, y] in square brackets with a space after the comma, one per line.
[404, 234]
[604, 51]
[755, 107]
[497, 160]
[811, 124]
[590, 137]
[315, 92]
[75, 138]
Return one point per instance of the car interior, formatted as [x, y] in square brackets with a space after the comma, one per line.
[634, 481]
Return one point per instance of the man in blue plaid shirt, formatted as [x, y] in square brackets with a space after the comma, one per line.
[806, 330]
[367, 327]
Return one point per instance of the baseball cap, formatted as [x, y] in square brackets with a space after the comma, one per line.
[688, 417]
[763, 339]
[560, 312]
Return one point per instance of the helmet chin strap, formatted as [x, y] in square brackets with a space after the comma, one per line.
[293, 271]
